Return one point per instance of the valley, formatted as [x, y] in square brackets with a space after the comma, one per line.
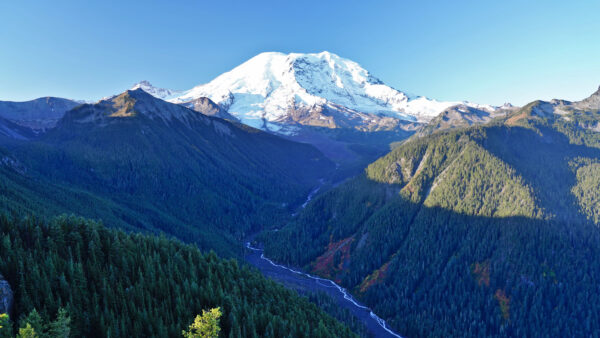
[493, 212]
[382, 213]
[304, 282]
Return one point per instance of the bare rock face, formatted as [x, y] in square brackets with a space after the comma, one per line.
[6, 296]
[207, 107]
[591, 103]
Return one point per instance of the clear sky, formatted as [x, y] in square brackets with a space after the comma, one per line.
[482, 51]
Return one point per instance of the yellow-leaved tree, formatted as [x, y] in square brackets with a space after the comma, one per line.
[5, 326]
[205, 325]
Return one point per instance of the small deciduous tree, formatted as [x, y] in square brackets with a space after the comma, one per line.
[205, 325]
[27, 332]
[33, 324]
[5, 326]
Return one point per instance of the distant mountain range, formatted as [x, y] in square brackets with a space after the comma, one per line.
[39, 114]
[322, 99]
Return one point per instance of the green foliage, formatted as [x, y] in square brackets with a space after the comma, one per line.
[587, 191]
[32, 324]
[520, 200]
[132, 285]
[201, 179]
[61, 327]
[205, 325]
[27, 332]
[330, 305]
[5, 326]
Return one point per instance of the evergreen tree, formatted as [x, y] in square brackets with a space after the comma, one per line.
[486, 231]
[139, 286]
[33, 320]
[60, 328]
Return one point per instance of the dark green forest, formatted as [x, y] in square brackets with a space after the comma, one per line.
[489, 230]
[485, 231]
[141, 163]
[114, 284]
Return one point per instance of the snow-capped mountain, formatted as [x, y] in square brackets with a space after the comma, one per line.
[275, 90]
[160, 93]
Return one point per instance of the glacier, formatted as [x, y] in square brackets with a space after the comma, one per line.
[266, 91]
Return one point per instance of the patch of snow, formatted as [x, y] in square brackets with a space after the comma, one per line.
[161, 93]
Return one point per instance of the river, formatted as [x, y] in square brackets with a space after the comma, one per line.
[305, 282]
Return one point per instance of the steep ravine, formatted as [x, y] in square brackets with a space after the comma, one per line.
[305, 282]
[302, 281]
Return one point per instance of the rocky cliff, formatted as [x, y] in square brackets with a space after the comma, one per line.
[6, 296]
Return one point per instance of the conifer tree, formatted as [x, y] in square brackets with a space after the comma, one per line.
[60, 328]
[33, 321]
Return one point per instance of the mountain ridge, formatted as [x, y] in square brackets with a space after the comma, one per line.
[495, 212]
[39, 114]
[269, 89]
[157, 166]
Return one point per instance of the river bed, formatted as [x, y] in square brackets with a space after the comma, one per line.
[304, 282]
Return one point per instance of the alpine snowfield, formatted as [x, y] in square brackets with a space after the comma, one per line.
[269, 90]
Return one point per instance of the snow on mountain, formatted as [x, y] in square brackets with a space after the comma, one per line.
[278, 92]
[160, 93]
[269, 86]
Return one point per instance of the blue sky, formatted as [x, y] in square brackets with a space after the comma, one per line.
[482, 51]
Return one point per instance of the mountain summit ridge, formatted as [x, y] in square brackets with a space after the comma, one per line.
[277, 91]
[131, 104]
[160, 93]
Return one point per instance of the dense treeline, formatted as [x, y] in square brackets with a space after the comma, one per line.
[202, 179]
[329, 305]
[488, 231]
[132, 285]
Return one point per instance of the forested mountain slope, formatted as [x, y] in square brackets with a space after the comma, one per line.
[138, 161]
[489, 230]
[114, 284]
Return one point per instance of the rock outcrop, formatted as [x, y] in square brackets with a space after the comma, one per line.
[6, 296]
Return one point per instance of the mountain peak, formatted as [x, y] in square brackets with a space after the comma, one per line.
[160, 93]
[138, 93]
[281, 92]
[39, 114]
[130, 104]
[590, 103]
[274, 90]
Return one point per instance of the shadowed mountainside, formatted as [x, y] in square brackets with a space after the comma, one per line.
[157, 166]
[489, 230]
